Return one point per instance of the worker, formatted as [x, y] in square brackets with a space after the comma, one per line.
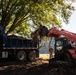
[51, 47]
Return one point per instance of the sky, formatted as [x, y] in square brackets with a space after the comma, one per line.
[72, 22]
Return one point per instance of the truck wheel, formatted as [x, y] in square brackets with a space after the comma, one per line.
[21, 56]
[32, 56]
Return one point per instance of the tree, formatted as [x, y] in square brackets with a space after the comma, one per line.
[14, 13]
[21, 30]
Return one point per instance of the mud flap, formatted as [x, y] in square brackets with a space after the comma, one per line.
[4, 54]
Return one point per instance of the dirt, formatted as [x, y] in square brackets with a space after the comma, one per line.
[39, 67]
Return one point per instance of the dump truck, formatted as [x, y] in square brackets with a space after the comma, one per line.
[12, 46]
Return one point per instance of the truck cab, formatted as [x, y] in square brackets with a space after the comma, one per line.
[1, 40]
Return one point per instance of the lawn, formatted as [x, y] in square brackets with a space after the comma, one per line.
[44, 56]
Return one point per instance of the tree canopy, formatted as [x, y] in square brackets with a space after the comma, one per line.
[18, 14]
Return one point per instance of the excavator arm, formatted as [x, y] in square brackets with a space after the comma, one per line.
[69, 35]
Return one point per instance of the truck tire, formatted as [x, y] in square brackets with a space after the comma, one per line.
[31, 56]
[21, 55]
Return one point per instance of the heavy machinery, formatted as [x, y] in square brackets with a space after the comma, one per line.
[63, 49]
[17, 47]
[65, 45]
